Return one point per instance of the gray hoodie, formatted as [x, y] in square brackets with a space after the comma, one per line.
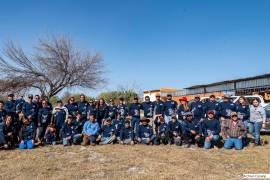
[257, 114]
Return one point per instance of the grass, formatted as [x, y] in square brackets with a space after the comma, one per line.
[133, 162]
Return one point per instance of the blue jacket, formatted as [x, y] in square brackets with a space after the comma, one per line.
[175, 127]
[126, 133]
[44, 115]
[28, 132]
[119, 124]
[123, 110]
[148, 109]
[187, 126]
[19, 104]
[92, 110]
[197, 109]
[8, 128]
[134, 110]
[145, 131]
[59, 118]
[90, 128]
[67, 130]
[3, 114]
[181, 111]
[225, 109]
[210, 106]
[77, 126]
[107, 130]
[163, 129]
[72, 108]
[243, 110]
[83, 108]
[112, 111]
[210, 127]
[102, 111]
[158, 107]
[170, 107]
[30, 109]
[10, 107]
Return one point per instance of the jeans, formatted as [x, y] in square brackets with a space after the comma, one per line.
[135, 123]
[76, 139]
[210, 144]
[27, 144]
[127, 141]
[2, 137]
[233, 142]
[254, 128]
[107, 140]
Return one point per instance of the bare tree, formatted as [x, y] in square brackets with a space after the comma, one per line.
[54, 66]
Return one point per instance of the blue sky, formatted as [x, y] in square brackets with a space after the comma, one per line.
[152, 43]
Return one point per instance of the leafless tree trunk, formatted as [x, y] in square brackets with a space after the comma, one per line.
[54, 66]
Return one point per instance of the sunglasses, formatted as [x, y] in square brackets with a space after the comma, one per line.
[234, 116]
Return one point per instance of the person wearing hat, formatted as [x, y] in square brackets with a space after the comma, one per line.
[90, 131]
[112, 109]
[190, 131]
[170, 107]
[134, 111]
[107, 133]
[210, 129]
[28, 134]
[226, 107]
[59, 116]
[158, 105]
[182, 108]
[196, 108]
[211, 104]
[127, 133]
[30, 110]
[145, 133]
[233, 131]
[175, 131]
[163, 133]
[122, 108]
[44, 119]
[83, 106]
[148, 107]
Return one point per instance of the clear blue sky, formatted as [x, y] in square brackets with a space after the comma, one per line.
[153, 43]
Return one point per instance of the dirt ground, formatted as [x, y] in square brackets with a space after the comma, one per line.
[132, 162]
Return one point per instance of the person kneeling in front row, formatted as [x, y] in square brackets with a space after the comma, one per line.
[145, 133]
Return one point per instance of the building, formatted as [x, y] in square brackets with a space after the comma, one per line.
[162, 92]
[244, 86]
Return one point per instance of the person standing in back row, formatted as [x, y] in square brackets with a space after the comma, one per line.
[169, 108]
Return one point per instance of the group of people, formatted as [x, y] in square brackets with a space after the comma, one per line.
[27, 124]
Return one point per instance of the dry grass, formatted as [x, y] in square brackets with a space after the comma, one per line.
[132, 162]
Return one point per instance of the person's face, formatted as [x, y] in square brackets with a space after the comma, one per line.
[210, 116]
[10, 98]
[92, 118]
[60, 104]
[241, 100]
[44, 104]
[82, 98]
[25, 121]
[189, 118]
[226, 99]
[212, 99]
[121, 102]
[30, 99]
[1, 105]
[109, 122]
[169, 97]
[135, 100]
[8, 120]
[234, 117]
[127, 125]
[69, 120]
[197, 99]
[101, 101]
[255, 103]
[144, 123]
[173, 119]
[111, 101]
[118, 116]
[71, 100]
[158, 98]
[37, 98]
[147, 99]
[182, 102]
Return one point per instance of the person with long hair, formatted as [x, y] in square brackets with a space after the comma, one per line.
[102, 111]
[257, 120]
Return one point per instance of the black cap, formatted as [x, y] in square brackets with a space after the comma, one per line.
[136, 98]
[11, 95]
[169, 95]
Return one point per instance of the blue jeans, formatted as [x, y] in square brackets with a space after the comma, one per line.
[210, 144]
[27, 144]
[233, 142]
[254, 128]
[135, 122]
[107, 140]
